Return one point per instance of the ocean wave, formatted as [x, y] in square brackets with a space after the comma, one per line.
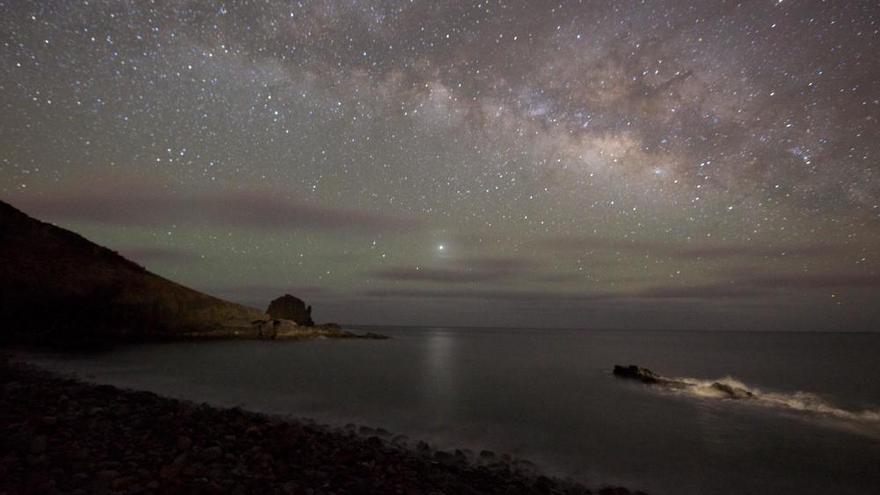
[729, 388]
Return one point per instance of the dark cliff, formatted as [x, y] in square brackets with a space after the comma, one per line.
[57, 285]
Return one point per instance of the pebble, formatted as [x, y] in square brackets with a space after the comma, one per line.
[38, 444]
[183, 442]
[212, 453]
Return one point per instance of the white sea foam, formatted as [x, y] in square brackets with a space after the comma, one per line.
[797, 401]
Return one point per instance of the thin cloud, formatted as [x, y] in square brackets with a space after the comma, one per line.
[556, 297]
[818, 281]
[503, 295]
[462, 271]
[149, 255]
[250, 210]
[738, 251]
[711, 291]
[581, 244]
[746, 286]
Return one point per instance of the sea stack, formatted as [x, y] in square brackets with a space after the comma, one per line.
[289, 307]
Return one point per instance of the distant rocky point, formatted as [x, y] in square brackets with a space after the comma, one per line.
[58, 287]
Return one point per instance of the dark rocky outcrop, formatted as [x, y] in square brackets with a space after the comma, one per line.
[292, 308]
[644, 375]
[634, 372]
[56, 286]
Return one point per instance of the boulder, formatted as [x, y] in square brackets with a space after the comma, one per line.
[634, 372]
[292, 308]
[645, 375]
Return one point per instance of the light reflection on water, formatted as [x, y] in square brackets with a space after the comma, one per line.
[439, 377]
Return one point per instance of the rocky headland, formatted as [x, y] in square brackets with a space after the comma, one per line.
[60, 435]
[56, 287]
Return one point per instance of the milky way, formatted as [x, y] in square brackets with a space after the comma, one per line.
[675, 164]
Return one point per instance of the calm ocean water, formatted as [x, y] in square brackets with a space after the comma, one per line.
[548, 396]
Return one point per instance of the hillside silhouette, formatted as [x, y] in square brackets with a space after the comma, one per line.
[55, 285]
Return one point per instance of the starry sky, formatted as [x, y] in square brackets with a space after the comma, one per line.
[587, 164]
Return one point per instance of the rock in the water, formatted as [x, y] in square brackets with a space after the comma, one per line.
[647, 376]
[634, 372]
[731, 391]
[288, 307]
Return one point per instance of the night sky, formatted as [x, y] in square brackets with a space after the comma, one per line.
[634, 165]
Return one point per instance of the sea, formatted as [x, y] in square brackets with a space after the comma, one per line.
[812, 425]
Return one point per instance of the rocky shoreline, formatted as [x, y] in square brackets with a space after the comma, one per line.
[60, 435]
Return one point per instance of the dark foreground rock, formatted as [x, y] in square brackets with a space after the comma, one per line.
[59, 435]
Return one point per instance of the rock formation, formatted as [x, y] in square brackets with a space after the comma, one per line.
[56, 287]
[634, 372]
[292, 308]
[644, 375]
